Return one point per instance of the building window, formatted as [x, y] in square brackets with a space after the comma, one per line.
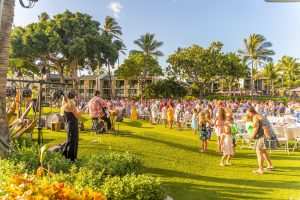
[106, 84]
[92, 84]
[120, 84]
[120, 93]
[106, 93]
[133, 84]
[132, 92]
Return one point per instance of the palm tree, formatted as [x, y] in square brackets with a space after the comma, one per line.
[112, 28]
[5, 31]
[290, 68]
[270, 71]
[148, 45]
[256, 51]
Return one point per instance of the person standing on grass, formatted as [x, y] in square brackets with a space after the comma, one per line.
[203, 132]
[98, 109]
[261, 128]
[178, 116]
[195, 121]
[234, 129]
[71, 115]
[164, 114]
[170, 115]
[227, 146]
[209, 124]
[219, 125]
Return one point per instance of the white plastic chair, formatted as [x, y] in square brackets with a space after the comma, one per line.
[246, 141]
[283, 141]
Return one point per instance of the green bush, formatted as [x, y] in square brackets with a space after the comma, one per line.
[130, 187]
[81, 178]
[114, 164]
[90, 172]
[26, 151]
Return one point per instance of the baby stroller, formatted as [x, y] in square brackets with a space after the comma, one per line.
[98, 126]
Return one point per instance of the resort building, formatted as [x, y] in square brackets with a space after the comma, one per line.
[121, 88]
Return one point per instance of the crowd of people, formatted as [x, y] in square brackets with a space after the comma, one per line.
[204, 117]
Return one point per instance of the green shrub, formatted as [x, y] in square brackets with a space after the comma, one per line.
[133, 187]
[114, 164]
[26, 151]
[81, 178]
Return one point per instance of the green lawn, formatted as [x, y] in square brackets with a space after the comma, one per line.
[186, 174]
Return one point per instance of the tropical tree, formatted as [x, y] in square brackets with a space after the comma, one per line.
[270, 71]
[234, 69]
[202, 66]
[256, 51]
[134, 68]
[148, 45]
[112, 27]
[113, 30]
[5, 31]
[166, 88]
[68, 42]
[290, 68]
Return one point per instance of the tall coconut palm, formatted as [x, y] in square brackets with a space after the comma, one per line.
[270, 71]
[5, 30]
[256, 51]
[112, 28]
[148, 45]
[290, 68]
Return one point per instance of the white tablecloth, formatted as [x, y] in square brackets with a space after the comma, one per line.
[289, 132]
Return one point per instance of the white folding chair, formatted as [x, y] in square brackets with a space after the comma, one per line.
[246, 141]
[297, 142]
[283, 141]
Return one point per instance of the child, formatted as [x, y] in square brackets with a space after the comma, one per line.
[248, 124]
[195, 121]
[219, 125]
[249, 127]
[234, 129]
[227, 146]
[203, 131]
[164, 114]
[209, 124]
[170, 115]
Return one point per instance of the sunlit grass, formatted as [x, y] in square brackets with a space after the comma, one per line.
[186, 174]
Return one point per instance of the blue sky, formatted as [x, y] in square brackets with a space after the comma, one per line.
[181, 23]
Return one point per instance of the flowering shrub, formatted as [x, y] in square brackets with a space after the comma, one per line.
[32, 187]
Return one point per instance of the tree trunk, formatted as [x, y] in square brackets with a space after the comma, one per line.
[110, 85]
[74, 76]
[5, 31]
[61, 75]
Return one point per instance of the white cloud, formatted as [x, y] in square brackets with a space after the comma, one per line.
[115, 7]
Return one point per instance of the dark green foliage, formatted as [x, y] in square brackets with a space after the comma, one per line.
[167, 88]
[26, 152]
[113, 164]
[142, 187]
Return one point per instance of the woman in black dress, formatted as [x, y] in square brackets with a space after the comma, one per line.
[71, 115]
